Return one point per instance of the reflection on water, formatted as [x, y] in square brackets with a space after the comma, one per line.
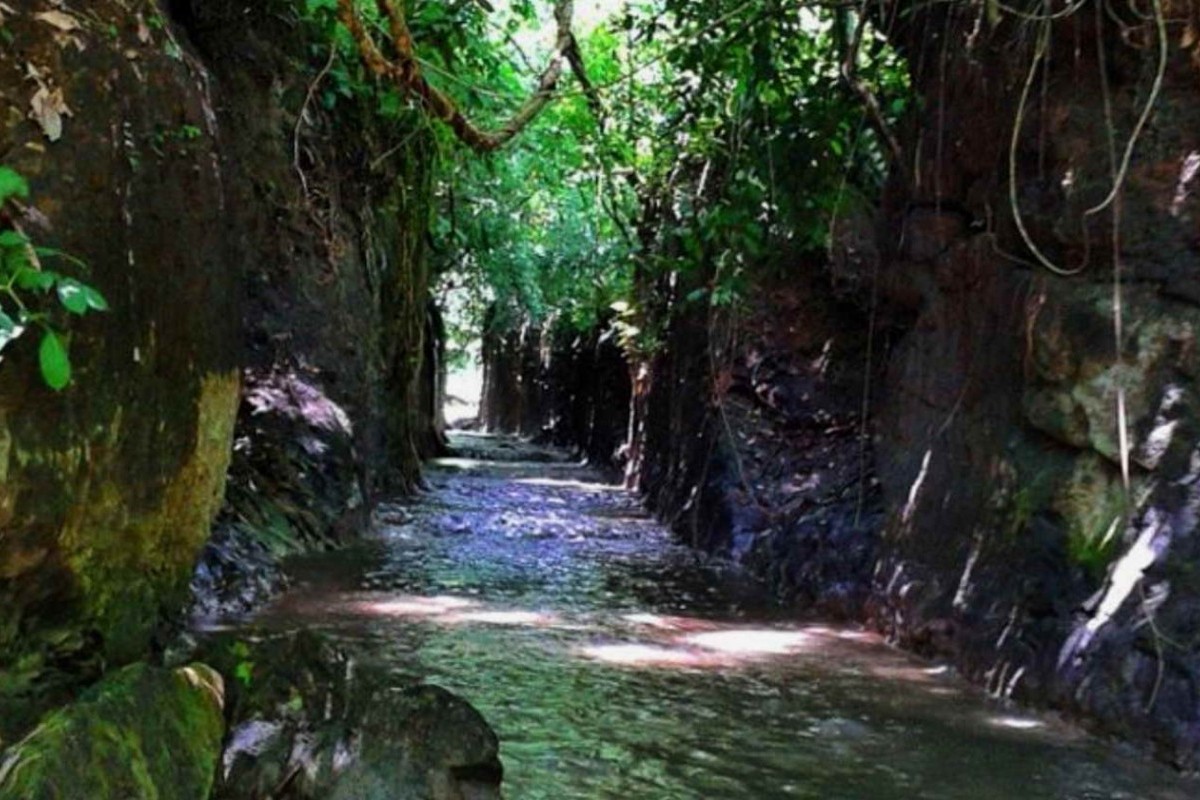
[614, 664]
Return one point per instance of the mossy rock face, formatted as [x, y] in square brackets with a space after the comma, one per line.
[144, 732]
[337, 401]
[108, 488]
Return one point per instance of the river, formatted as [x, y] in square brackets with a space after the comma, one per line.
[614, 663]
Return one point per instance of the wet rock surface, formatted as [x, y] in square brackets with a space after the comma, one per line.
[108, 489]
[312, 720]
[612, 662]
[143, 732]
[1020, 541]
[239, 240]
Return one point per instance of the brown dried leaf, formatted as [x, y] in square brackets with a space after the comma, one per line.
[143, 30]
[59, 19]
[48, 108]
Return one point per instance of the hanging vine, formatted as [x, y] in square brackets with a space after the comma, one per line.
[404, 70]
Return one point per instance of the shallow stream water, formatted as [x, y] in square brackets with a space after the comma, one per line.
[616, 664]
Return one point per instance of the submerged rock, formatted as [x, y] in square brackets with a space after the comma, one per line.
[144, 732]
[315, 722]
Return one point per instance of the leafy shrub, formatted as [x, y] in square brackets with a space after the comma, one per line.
[24, 281]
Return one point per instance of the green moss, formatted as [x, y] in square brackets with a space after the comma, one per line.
[113, 561]
[1025, 504]
[1022, 485]
[129, 572]
[143, 733]
[1096, 507]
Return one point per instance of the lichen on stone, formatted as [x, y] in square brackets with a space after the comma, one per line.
[144, 732]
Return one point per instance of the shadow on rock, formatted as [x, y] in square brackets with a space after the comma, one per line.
[309, 720]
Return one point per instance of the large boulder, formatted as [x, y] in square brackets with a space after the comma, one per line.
[312, 720]
[144, 732]
[293, 487]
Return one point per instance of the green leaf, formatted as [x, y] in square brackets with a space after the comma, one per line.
[244, 672]
[13, 260]
[72, 296]
[11, 185]
[95, 300]
[391, 105]
[12, 239]
[9, 330]
[56, 366]
[38, 280]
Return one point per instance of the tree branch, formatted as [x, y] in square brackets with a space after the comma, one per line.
[405, 71]
[867, 97]
[575, 59]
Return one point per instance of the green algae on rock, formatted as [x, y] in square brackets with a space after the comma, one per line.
[144, 732]
[109, 487]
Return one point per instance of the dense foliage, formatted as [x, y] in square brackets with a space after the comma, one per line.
[710, 138]
[715, 136]
[666, 160]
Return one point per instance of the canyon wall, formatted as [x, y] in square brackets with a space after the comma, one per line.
[990, 511]
[1046, 553]
[266, 277]
[558, 385]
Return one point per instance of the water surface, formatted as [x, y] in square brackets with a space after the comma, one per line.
[615, 664]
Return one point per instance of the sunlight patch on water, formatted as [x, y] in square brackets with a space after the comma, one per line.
[1017, 723]
[751, 642]
[460, 463]
[670, 623]
[906, 673]
[415, 606]
[708, 650]
[529, 618]
[451, 610]
[649, 655]
[565, 483]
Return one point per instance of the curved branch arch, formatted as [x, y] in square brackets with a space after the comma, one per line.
[405, 71]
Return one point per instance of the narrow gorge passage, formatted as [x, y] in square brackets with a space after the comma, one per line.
[325, 326]
[614, 663]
